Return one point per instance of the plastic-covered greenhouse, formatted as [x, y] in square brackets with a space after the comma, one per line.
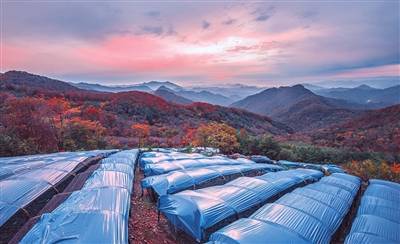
[157, 157]
[101, 206]
[378, 216]
[12, 166]
[180, 180]
[29, 180]
[329, 168]
[165, 167]
[311, 214]
[203, 211]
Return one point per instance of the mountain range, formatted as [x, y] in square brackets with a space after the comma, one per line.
[364, 94]
[135, 106]
[192, 94]
[298, 107]
[279, 111]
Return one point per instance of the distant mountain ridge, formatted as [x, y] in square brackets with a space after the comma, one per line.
[170, 96]
[364, 94]
[102, 88]
[125, 108]
[153, 86]
[298, 107]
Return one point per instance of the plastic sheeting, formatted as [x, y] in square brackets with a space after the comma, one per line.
[25, 178]
[16, 194]
[157, 157]
[10, 166]
[98, 213]
[195, 211]
[179, 180]
[79, 227]
[165, 167]
[297, 217]
[328, 168]
[378, 216]
[261, 159]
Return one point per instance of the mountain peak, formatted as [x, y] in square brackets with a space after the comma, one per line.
[164, 88]
[364, 87]
[154, 85]
[35, 82]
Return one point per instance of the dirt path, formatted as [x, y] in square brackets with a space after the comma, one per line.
[143, 224]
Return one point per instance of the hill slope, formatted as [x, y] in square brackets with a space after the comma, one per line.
[298, 107]
[376, 130]
[25, 79]
[125, 108]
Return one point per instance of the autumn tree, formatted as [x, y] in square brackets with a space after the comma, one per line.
[217, 135]
[142, 131]
[59, 107]
[27, 127]
[83, 134]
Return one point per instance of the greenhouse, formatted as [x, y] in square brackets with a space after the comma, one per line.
[198, 213]
[297, 217]
[102, 206]
[32, 184]
[196, 178]
[328, 168]
[165, 167]
[157, 157]
[378, 216]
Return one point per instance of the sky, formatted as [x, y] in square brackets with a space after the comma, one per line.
[262, 43]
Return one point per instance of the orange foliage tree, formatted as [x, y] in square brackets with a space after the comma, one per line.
[142, 131]
[83, 134]
[217, 135]
[369, 169]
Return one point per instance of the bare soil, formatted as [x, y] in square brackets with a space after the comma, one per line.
[144, 226]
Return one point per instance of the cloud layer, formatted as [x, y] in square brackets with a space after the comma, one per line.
[202, 43]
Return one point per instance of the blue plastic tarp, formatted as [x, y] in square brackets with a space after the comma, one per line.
[16, 194]
[296, 217]
[261, 159]
[154, 158]
[98, 213]
[79, 227]
[378, 216]
[179, 180]
[252, 231]
[195, 211]
[165, 167]
[25, 178]
[109, 199]
[328, 168]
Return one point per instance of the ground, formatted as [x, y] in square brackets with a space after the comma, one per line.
[143, 223]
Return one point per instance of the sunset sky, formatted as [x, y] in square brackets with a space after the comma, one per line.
[201, 42]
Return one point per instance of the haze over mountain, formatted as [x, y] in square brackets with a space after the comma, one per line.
[298, 107]
[102, 88]
[375, 82]
[192, 94]
[145, 86]
[233, 91]
[364, 94]
[170, 96]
